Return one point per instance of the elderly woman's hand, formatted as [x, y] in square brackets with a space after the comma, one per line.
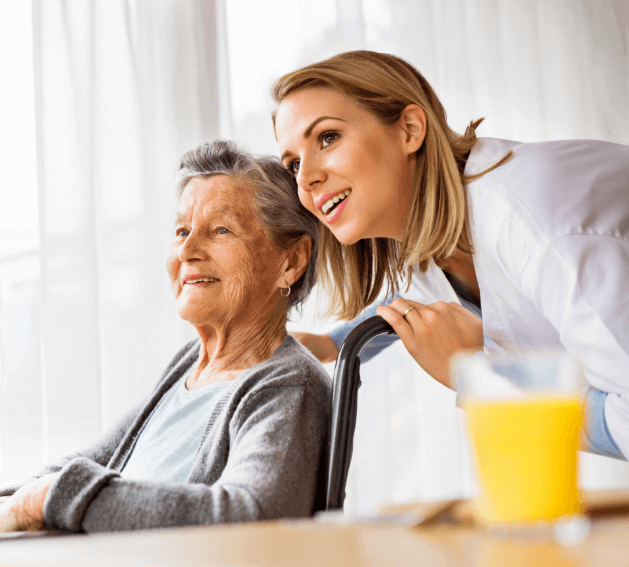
[24, 511]
[432, 334]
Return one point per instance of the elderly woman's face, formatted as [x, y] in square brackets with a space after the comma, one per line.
[222, 265]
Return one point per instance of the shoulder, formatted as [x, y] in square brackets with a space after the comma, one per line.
[185, 357]
[556, 188]
[191, 346]
[291, 365]
[290, 383]
[290, 376]
[563, 165]
[576, 155]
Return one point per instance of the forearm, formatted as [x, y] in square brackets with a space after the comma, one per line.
[596, 436]
[274, 449]
[375, 346]
[322, 346]
[91, 498]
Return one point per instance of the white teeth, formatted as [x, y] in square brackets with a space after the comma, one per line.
[330, 202]
[210, 280]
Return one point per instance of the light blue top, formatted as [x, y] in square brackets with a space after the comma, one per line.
[170, 440]
[596, 437]
[378, 344]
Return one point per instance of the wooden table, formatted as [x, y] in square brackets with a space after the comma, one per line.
[307, 543]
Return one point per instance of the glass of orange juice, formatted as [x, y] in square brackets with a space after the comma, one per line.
[523, 415]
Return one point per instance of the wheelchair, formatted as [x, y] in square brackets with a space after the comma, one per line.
[344, 406]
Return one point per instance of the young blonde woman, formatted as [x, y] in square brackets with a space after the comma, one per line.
[532, 238]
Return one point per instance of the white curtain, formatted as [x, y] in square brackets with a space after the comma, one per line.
[87, 320]
[123, 87]
[537, 70]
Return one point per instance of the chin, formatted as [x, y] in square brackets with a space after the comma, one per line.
[348, 241]
[191, 315]
[347, 235]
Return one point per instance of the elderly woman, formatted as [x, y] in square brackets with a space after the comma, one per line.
[235, 428]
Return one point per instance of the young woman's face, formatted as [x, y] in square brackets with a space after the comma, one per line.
[353, 173]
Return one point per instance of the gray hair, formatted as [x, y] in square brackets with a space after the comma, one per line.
[277, 204]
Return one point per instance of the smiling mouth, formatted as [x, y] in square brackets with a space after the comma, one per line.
[334, 202]
[201, 280]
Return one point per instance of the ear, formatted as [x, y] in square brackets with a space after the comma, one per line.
[412, 122]
[295, 263]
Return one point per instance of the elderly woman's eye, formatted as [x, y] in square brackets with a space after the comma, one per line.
[326, 138]
[182, 232]
[222, 230]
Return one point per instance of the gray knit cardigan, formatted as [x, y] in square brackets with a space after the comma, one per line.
[261, 456]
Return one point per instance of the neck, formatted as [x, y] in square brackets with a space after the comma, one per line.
[229, 349]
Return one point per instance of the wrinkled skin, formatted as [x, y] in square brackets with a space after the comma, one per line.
[23, 511]
[241, 318]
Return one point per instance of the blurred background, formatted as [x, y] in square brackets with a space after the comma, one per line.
[101, 97]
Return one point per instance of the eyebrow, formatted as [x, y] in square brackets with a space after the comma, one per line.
[308, 130]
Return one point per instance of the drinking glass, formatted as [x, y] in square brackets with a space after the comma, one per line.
[523, 415]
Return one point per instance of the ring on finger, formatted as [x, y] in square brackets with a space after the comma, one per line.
[408, 311]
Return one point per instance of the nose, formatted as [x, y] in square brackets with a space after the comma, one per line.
[191, 250]
[310, 175]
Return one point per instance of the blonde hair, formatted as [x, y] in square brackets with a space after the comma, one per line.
[436, 224]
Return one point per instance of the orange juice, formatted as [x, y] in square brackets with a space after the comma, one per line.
[526, 457]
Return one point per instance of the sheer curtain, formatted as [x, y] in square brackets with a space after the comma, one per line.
[87, 320]
[123, 87]
[537, 70]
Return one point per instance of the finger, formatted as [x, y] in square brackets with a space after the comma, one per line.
[400, 325]
[399, 305]
[411, 339]
[406, 306]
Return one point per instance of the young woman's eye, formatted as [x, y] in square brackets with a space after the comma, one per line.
[293, 167]
[326, 138]
[222, 230]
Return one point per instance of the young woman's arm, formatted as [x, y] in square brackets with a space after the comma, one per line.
[326, 347]
[579, 283]
[596, 436]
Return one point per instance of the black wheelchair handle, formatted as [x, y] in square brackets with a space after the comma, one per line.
[344, 405]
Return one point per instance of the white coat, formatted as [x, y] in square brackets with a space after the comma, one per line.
[550, 229]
